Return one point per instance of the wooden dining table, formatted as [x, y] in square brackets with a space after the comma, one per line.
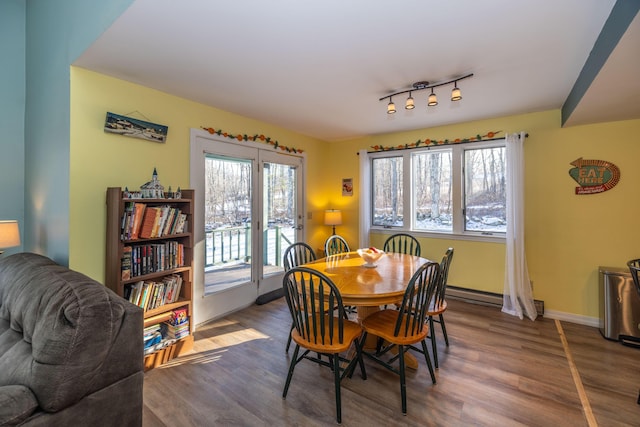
[368, 288]
[363, 286]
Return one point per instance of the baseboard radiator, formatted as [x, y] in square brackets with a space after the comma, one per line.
[484, 298]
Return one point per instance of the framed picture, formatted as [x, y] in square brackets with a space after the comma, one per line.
[347, 186]
[128, 126]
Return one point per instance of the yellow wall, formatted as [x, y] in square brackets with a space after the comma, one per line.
[567, 236]
[100, 160]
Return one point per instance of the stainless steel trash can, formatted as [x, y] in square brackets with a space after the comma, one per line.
[619, 306]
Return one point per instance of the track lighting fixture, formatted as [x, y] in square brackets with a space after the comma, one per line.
[456, 94]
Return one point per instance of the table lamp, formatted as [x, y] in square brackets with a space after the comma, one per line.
[333, 217]
[9, 235]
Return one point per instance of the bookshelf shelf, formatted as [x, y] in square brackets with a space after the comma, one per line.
[163, 260]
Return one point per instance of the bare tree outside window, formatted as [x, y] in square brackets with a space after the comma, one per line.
[432, 190]
[485, 189]
[387, 191]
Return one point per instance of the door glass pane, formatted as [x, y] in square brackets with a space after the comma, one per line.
[279, 214]
[485, 190]
[227, 222]
[432, 191]
[387, 191]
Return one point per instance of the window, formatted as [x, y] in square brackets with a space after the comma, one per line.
[455, 189]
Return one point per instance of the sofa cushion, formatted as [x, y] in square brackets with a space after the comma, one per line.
[57, 331]
[16, 404]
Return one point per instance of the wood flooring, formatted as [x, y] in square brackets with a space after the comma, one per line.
[498, 371]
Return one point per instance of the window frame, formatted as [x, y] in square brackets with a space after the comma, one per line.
[458, 231]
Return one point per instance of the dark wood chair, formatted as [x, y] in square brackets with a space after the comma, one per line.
[320, 327]
[297, 254]
[336, 245]
[406, 326]
[402, 243]
[634, 268]
[439, 305]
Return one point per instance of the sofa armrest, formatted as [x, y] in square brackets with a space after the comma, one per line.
[17, 402]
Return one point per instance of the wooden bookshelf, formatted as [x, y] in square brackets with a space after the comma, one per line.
[165, 262]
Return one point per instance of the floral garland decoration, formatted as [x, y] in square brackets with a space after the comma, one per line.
[431, 142]
[256, 138]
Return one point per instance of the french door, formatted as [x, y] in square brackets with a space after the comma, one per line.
[251, 205]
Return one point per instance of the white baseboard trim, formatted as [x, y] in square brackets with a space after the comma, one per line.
[573, 318]
[484, 298]
[495, 300]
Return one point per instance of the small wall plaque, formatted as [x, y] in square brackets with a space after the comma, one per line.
[128, 126]
[594, 176]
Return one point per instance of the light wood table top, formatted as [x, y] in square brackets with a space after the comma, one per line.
[369, 286]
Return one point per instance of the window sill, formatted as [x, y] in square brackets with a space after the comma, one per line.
[472, 237]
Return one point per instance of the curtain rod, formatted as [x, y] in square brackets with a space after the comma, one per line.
[526, 135]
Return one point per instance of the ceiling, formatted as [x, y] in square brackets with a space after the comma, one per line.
[319, 68]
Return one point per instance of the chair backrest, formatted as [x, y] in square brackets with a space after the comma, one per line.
[316, 306]
[444, 276]
[297, 254]
[634, 268]
[415, 304]
[402, 243]
[335, 245]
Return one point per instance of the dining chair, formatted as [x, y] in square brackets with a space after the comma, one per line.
[336, 245]
[439, 305]
[297, 254]
[634, 268]
[404, 327]
[402, 243]
[320, 327]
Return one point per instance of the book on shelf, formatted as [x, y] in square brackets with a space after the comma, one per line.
[179, 316]
[168, 223]
[136, 220]
[150, 221]
[180, 226]
[125, 265]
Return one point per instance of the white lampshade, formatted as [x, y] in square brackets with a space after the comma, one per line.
[9, 234]
[410, 104]
[332, 217]
[455, 94]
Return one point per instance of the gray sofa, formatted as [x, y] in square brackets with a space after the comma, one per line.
[71, 351]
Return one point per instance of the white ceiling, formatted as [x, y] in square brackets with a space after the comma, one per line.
[320, 67]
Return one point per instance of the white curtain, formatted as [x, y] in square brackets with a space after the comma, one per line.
[365, 199]
[518, 296]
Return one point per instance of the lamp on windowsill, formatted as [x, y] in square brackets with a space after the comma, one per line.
[333, 217]
[9, 235]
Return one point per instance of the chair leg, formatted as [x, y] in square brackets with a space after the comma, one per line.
[403, 385]
[428, 360]
[289, 339]
[434, 346]
[292, 365]
[336, 372]
[444, 329]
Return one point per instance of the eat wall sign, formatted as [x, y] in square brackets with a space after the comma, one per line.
[594, 176]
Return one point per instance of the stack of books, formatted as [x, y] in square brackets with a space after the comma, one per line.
[177, 326]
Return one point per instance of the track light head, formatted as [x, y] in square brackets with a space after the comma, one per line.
[455, 93]
[433, 99]
[409, 104]
[391, 107]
